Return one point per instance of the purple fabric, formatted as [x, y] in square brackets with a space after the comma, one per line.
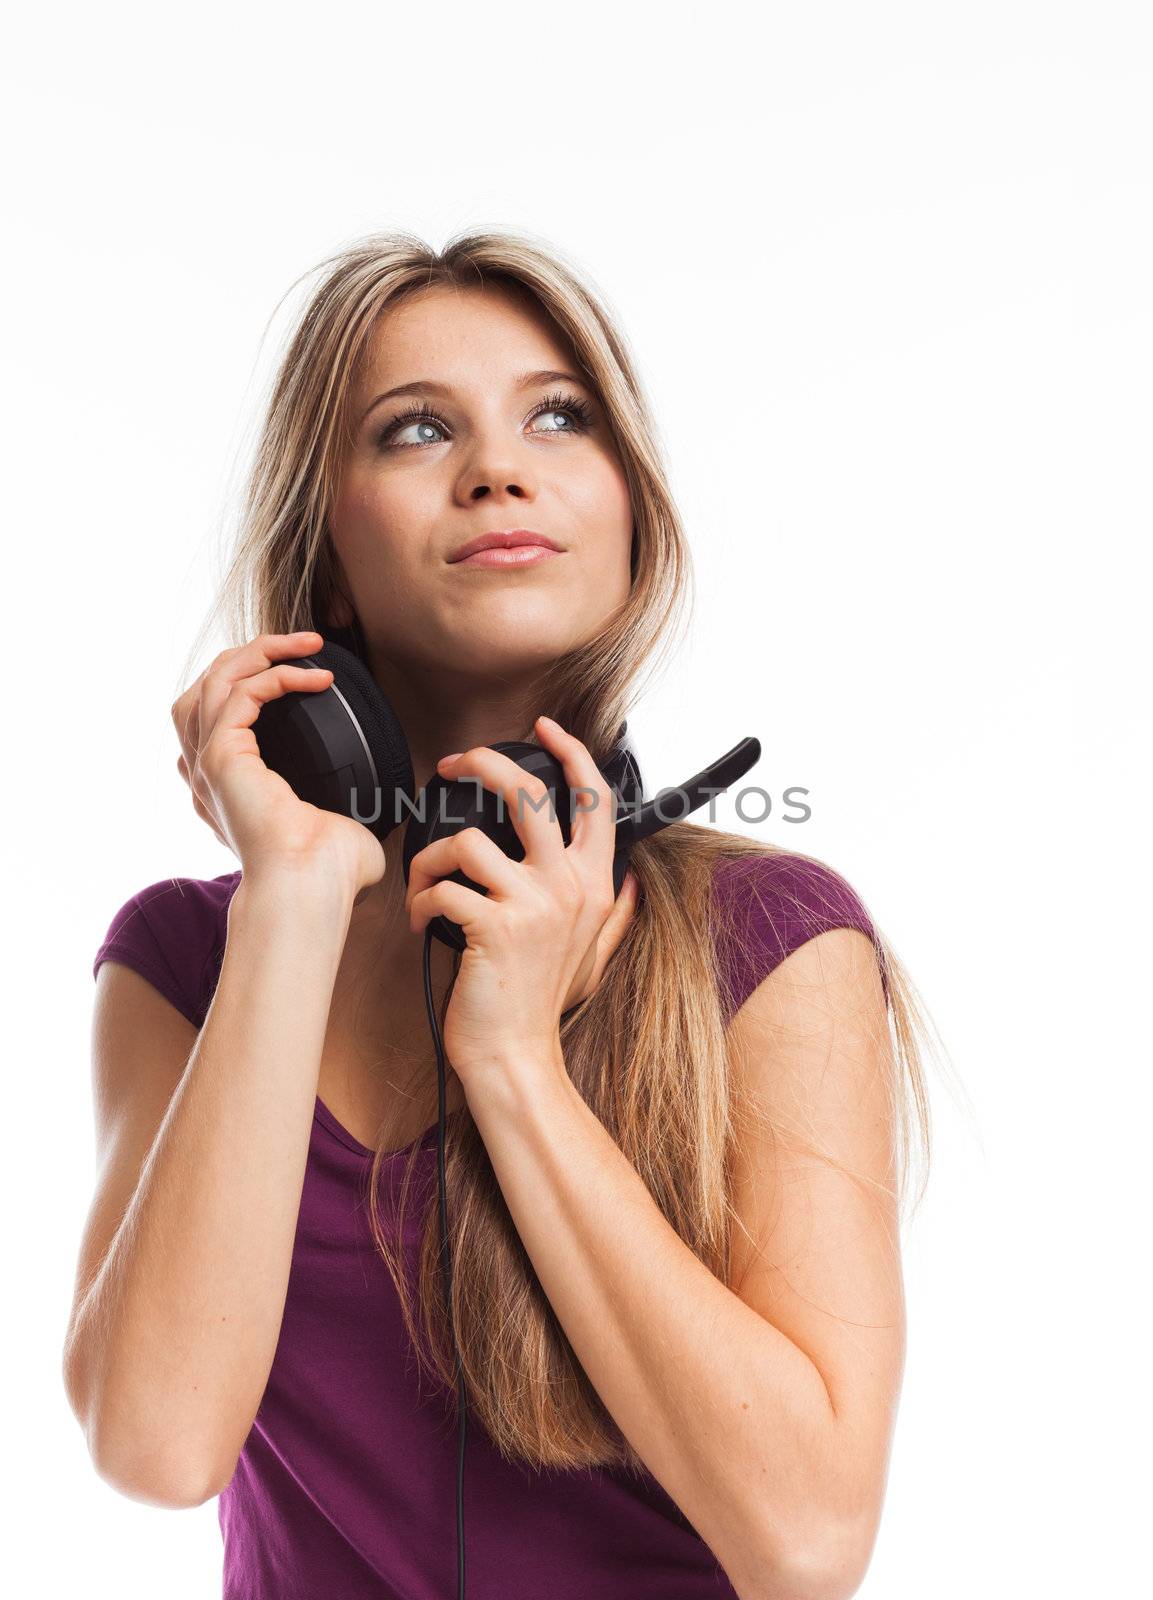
[346, 1486]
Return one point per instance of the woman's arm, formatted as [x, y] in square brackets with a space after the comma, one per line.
[764, 1410]
[184, 1266]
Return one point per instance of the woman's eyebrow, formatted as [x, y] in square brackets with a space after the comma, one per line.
[527, 380]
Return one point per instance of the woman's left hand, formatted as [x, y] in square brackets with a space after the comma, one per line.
[539, 940]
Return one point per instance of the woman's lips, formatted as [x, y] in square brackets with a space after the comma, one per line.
[518, 555]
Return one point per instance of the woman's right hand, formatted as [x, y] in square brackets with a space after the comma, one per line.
[250, 808]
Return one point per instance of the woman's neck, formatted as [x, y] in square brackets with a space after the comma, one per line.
[445, 711]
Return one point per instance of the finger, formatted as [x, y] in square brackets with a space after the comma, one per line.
[619, 919]
[231, 666]
[247, 697]
[242, 660]
[192, 728]
[202, 798]
[616, 925]
[190, 733]
[470, 851]
[527, 799]
[593, 820]
[199, 805]
[447, 899]
[181, 712]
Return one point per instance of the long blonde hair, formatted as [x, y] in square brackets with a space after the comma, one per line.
[648, 1050]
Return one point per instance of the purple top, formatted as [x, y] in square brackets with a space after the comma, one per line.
[346, 1485]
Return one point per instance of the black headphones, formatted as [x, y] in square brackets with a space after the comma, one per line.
[343, 749]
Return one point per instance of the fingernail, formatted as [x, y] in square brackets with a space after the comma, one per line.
[452, 757]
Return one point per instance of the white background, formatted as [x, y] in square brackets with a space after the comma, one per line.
[886, 273]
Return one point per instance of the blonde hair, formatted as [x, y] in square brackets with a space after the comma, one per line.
[648, 1049]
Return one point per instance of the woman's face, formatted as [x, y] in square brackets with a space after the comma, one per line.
[503, 448]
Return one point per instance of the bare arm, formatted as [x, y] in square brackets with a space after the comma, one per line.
[203, 1140]
[765, 1409]
[181, 1290]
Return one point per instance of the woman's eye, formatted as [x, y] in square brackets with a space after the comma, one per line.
[425, 433]
[557, 411]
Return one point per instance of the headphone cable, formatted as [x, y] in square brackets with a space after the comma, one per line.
[446, 1262]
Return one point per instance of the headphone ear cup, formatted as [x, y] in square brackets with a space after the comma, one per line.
[378, 723]
[340, 748]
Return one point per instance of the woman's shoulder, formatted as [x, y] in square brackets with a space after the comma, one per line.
[770, 901]
[172, 932]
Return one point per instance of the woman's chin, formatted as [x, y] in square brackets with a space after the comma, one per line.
[517, 628]
[509, 659]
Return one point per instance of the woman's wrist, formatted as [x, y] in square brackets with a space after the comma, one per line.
[302, 883]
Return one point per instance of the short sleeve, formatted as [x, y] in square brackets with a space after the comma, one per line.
[173, 934]
[768, 904]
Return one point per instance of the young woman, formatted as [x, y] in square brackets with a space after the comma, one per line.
[677, 1132]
